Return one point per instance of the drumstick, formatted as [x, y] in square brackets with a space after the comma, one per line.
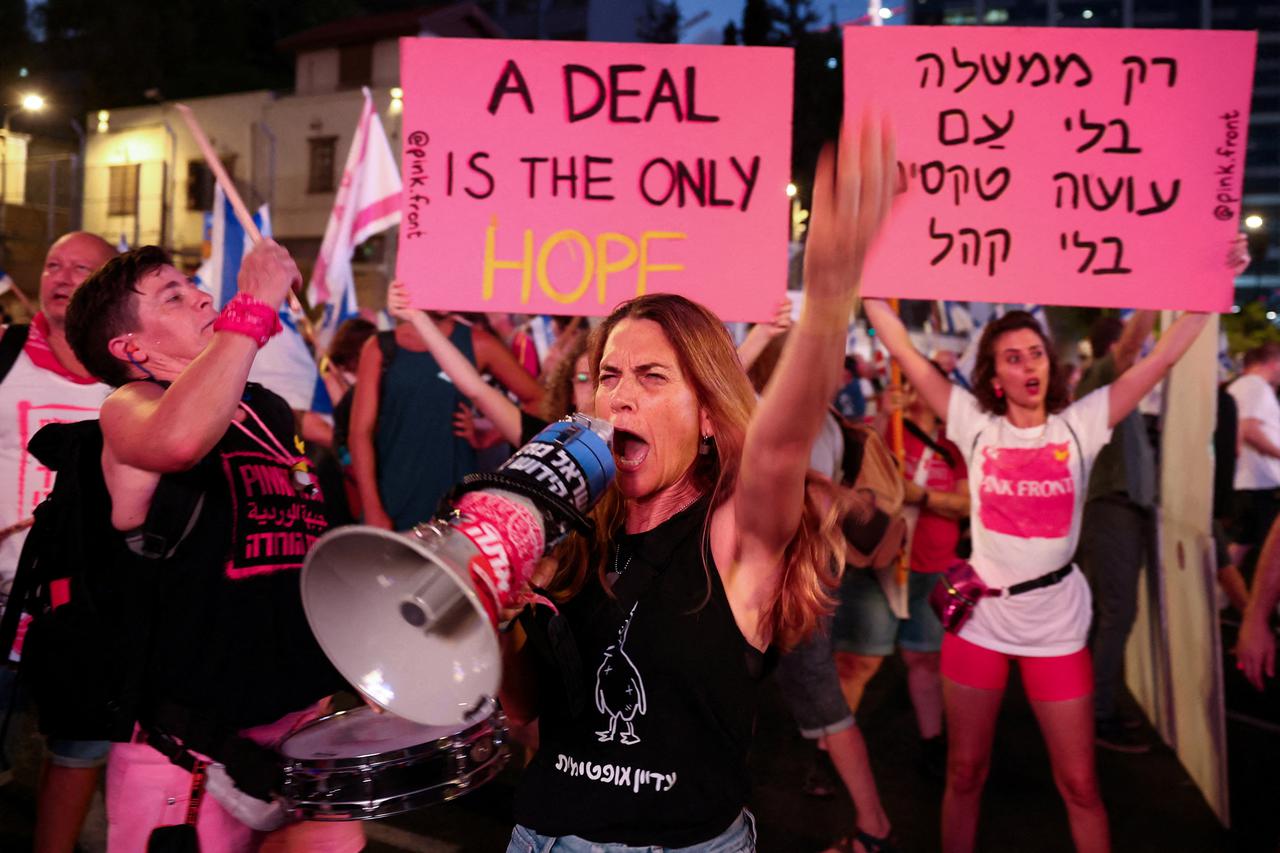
[237, 204]
[219, 173]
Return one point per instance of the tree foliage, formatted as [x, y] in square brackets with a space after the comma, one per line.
[1249, 328]
[660, 22]
[818, 83]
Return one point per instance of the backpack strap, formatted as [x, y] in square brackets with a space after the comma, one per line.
[175, 508]
[929, 441]
[11, 344]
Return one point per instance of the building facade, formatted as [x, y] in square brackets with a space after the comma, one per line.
[146, 182]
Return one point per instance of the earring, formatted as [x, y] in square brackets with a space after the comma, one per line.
[707, 444]
[129, 355]
[999, 392]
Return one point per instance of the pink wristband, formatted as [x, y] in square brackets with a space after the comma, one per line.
[248, 316]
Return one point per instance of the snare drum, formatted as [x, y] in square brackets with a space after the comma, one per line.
[361, 765]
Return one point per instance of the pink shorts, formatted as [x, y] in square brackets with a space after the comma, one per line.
[1046, 679]
[145, 790]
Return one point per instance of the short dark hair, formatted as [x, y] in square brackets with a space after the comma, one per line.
[984, 369]
[103, 308]
[1262, 353]
[1103, 335]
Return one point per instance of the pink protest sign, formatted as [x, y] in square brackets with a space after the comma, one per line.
[564, 178]
[1067, 167]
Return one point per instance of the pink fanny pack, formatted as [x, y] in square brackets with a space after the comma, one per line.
[960, 589]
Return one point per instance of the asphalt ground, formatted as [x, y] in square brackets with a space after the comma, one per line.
[1152, 802]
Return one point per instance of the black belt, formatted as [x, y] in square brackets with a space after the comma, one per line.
[168, 747]
[1056, 576]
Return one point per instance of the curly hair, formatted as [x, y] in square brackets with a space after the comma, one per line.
[103, 308]
[1056, 397]
[710, 363]
[558, 401]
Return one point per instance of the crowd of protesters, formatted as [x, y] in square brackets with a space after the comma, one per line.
[752, 490]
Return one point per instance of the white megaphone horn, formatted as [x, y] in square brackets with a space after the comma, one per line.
[409, 618]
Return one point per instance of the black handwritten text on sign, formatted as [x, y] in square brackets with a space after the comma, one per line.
[1070, 167]
[546, 177]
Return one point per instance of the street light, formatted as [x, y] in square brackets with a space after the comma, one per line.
[31, 102]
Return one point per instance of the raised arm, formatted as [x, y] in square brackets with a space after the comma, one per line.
[1127, 347]
[152, 429]
[493, 357]
[853, 191]
[495, 406]
[1134, 384]
[932, 386]
[762, 333]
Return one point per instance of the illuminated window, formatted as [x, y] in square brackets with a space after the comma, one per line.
[122, 192]
[320, 168]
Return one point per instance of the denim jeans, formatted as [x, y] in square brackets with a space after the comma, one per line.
[740, 837]
[62, 752]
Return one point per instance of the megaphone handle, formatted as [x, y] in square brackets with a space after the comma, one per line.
[438, 597]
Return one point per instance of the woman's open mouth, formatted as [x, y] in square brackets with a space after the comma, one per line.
[1033, 387]
[629, 449]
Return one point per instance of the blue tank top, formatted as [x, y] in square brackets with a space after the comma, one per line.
[419, 457]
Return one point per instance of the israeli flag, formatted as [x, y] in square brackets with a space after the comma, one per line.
[286, 364]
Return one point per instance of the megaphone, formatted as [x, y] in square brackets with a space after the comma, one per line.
[410, 619]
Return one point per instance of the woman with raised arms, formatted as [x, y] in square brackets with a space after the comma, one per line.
[1029, 455]
[711, 549]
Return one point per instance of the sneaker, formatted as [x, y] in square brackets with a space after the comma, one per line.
[1117, 737]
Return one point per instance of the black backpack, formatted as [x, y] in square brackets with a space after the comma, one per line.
[11, 344]
[89, 595]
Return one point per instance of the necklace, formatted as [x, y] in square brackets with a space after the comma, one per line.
[613, 576]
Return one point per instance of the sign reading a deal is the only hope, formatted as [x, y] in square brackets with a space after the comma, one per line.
[564, 178]
[1060, 166]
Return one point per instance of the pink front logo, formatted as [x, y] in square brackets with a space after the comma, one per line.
[34, 480]
[1027, 492]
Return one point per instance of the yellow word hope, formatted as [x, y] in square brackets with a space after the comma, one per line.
[608, 254]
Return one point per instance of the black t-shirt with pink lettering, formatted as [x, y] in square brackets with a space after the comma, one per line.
[231, 637]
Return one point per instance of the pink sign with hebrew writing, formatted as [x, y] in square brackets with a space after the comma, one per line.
[564, 178]
[1060, 166]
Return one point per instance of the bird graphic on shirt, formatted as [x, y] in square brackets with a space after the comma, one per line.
[620, 689]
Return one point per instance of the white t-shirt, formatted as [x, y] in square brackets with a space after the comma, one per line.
[1028, 488]
[827, 452]
[30, 397]
[1255, 398]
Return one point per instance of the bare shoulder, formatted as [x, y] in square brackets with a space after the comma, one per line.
[125, 402]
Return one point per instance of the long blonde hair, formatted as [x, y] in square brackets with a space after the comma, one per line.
[710, 364]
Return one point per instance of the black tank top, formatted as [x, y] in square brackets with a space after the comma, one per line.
[231, 641]
[657, 752]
